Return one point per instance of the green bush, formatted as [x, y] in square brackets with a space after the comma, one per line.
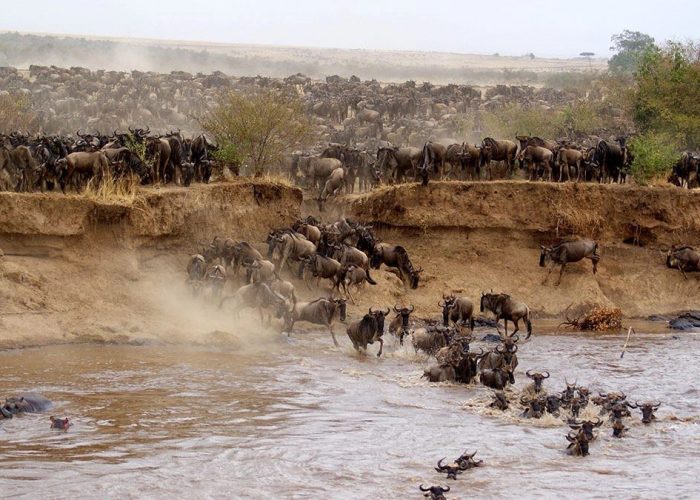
[654, 157]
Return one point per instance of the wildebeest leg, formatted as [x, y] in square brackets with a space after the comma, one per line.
[680, 268]
[517, 327]
[505, 324]
[330, 329]
[381, 346]
[561, 271]
[551, 268]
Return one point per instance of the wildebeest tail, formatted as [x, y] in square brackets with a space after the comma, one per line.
[596, 253]
[369, 278]
[471, 323]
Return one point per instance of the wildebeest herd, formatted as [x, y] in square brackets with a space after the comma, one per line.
[44, 162]
[342, 254]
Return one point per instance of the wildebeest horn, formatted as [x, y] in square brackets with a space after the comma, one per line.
[598, 422]
[439, 464]
[423, 489]
[515, 337]
[515, 349]
[396, 308]
[419, 270]
[499, 349]
[547, 376]
[528, 373]
[387, 311]
[441, 303]
[370, 311]
[656, 406]
[412, 308]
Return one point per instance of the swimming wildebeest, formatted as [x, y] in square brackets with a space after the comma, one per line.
[647, 410]
[497, 378]
[569, 251]
[399, 325]
[504, 307]
[534, 407]
[578, 445]
[323, 311]
[537, 379]
[368, 330]
[499, 401]
[451, 469]
[585, 427]
[435, 492]
[24, 403]
[430, 339]
[684, 258]
[459, 310]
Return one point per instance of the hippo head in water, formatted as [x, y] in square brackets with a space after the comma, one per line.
[29, 403]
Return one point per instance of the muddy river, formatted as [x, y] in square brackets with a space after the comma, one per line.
[300, 419]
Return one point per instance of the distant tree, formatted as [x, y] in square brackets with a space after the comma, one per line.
[629, 47]
[666, 94]
[259, 128]
[587, 54]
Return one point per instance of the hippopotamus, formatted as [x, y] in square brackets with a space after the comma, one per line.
[24, 403]
[60, 423]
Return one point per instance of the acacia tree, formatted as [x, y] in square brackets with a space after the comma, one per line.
[257, 128]
[629, 47]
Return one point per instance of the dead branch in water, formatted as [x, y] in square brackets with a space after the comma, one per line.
[596, 319]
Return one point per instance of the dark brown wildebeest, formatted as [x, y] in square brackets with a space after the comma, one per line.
[451, 469]
[684, 258]
[323, 311]
[215, 280]
[430, 339]
[498, 150]
[578, 444]
[472, 161]
[158, 150]
[612, 159]
[397, 163]
[238, 253]
[348, 256]
[20, 167]
[537, 379]
[309, 231]
[534, 407]
[504, 354]
[497, 378]
[368, 330]
[259, 271]
[396, 256]
[504, 307]
[435, 492]
[399, 325]
[536, 158]
[647, 410]
[458, 310]
[569, 251]
[457, 158]
[196, 268]
[92, 165]
[568, 159]
[586, 427]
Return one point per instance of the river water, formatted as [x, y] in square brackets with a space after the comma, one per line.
[301, 419]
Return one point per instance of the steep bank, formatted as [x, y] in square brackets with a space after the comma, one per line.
[472, 237]
[77, 270]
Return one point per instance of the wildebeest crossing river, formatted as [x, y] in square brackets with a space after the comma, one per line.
[303, 419]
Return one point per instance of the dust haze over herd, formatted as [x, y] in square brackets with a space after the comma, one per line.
[349, 249]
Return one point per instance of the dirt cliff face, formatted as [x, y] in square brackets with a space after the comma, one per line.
[76, 269]
[474, 237]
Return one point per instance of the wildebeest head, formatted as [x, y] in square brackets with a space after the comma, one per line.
[447, 302]
[586, 427]
[435, 492]
[537, 378]
[451, 469]
[342, 307]
[380, 315]
[618, 429]
[578, 444]
[468, 459]
[568, 393]
[405, 313]
[545, 254]
[534, 407]
[647, 410]
[553, 402]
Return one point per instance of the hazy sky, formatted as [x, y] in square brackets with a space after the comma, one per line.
[545, 27]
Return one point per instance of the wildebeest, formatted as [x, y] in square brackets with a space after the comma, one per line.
[499, 401]
[348, 255]
[238, 253]
[430, 339]
[196, 268]
[553, 402]
[618, 429]
[396, 256]
[578, 445]
[431, 161]
[158, 150]
[368, 330]
[586, 427]
[321, 267]
[568, 159]
[537, 379]
[504, 307]
[498, 150]
[611, 158]
[440, 373]
[92, 165]
[292, 246]
[317, 170]
[259, 271]
[350, 276]
[395, 163]
[459, 310]
[322, 311]
[258, 296]
[215, 280]
[534, 407]
[497, 378]
[569, 251]
[536, 158]
[435, 492]
[452, 469]
[334, 183]
[647, 410]
[685, 259]
[399, 325]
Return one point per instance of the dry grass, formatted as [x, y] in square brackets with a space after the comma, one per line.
[282, 180]
[573, 221]
[110, 189]
[597, 319]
